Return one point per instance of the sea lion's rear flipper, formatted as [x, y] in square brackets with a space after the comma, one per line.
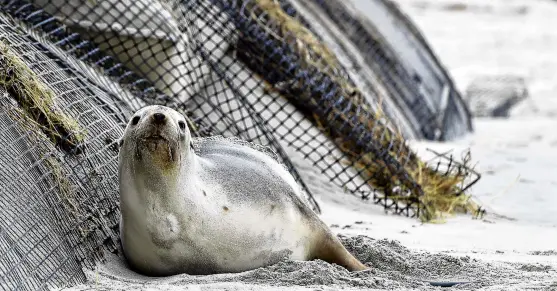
[331, 250]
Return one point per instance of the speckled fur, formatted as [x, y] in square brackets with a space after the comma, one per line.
[210, 205]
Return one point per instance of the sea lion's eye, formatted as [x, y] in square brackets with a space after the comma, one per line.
[135, 120]
[182, 125]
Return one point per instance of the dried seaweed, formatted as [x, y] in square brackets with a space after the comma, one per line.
[37, 100]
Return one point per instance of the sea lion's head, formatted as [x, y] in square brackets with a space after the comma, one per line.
[158, 135]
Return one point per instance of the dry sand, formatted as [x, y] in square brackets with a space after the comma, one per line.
[513, 248]
[395, 268]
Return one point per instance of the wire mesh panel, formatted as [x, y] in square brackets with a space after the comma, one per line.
[495, 95]
[58, 207]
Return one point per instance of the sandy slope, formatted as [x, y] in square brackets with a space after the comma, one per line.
[516, 250]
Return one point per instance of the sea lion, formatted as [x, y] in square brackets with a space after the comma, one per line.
[211, 205]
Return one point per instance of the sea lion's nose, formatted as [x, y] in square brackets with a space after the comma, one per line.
[159, 118]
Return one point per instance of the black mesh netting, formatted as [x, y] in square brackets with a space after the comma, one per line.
[302, 75]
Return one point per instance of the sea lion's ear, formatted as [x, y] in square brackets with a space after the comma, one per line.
[191, 145]
[120, 142]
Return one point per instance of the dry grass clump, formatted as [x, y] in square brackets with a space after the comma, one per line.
[446, 194]
[313, 52]
[366, 137]
[37, 100]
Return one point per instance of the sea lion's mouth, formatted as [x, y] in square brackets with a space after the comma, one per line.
[159, 146]
[155, 137]
[155, 142]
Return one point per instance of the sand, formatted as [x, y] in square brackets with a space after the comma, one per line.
[513, 248]
[395, 267]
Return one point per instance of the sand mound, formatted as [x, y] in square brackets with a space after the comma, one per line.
[395, 267]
